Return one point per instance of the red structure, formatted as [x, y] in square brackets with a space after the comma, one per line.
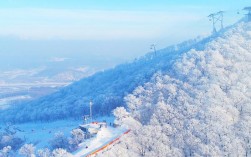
[107, 145]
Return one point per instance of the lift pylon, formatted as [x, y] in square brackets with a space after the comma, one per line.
[215, 18]
[248, 9]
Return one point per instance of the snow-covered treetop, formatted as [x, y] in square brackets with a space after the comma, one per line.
[201, 106]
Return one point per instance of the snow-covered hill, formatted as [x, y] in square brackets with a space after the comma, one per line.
[201, 106]
[107, 89]
[18, 85]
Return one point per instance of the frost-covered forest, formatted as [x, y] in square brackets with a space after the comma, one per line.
[58, 99]
[192, 99]
[200, 107]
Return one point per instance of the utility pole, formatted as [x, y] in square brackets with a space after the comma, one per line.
[248, 9]
[153, 47]
[215, 18]
[91, 110]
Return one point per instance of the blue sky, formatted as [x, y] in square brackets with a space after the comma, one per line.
[118, 4]
[112, 29]
[107, 19]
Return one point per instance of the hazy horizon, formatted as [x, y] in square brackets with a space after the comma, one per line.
[99, 34]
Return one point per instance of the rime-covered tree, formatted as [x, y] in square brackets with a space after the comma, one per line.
[6, 152]
[27, 150]
[77, 136]
[44, 152]
[200, 106]
[60, 153]
[59, 141]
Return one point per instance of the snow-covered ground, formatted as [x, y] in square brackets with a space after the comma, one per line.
[41, 133]
[12, 93]
[104, 136]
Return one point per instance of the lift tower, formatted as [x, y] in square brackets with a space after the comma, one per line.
[215, 18]
[153, 47]
[248, 9]
[91, 110]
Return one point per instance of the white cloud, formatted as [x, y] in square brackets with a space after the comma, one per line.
[58, 59]
[12, 74]
[82, 69]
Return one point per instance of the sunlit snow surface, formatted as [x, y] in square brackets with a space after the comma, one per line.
[41, 133]
[13, 93]
[105, 136]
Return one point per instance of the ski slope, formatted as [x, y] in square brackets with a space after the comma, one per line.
[103, 139]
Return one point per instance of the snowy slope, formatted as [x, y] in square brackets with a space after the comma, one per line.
[104, 137]
[201, 107]
[106, 88]
[19, 85]
[40, 134]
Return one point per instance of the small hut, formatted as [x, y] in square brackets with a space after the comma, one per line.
[92, 129]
